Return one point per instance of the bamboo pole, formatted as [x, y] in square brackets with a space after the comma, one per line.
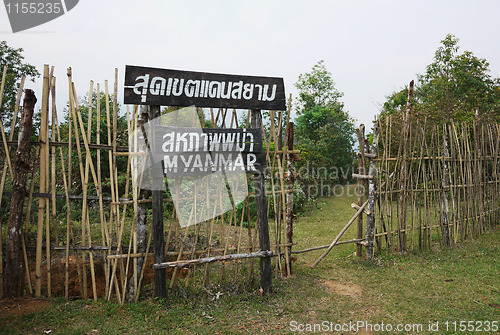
[183, 263]
[360, 185]
[4, 75]
[88, 161]
[73, 107]
[4, 170]
[404, 173]
[370, 218]
[48, 260]
[66, 195]
[11, 136]
[446, 194]
[4, 140]
[43, 167]
[104, 233]
[360, 210]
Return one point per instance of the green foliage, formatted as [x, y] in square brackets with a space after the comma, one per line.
[16, 68]
[454, 86]
[317, 88]
[324, 131]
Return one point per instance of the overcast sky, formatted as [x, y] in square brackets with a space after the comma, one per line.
[372, 48]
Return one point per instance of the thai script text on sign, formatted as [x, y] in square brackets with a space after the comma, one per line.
[151, 86]
[193, 152]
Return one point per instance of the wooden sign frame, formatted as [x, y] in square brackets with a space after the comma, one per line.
[155, 87]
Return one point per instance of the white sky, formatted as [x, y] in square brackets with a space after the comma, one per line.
[372, 48]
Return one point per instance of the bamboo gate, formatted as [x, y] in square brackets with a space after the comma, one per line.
[437, 184]
[423, 186]
[80, 234]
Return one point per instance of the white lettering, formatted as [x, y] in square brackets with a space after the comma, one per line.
[144, 84]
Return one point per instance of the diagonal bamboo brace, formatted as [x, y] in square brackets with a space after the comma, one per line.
[360, 210]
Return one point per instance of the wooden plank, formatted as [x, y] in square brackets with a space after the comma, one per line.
[157, 224]
[153, 86]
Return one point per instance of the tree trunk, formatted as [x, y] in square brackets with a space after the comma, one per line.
[21, 169]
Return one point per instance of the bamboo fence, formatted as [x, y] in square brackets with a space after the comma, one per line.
[444, 184]
[80, 237]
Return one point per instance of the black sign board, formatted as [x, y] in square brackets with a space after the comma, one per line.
[195, 151]
[152, 86]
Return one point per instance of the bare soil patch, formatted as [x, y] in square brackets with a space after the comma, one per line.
[24, 305]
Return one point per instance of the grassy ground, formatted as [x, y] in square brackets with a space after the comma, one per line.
[452, 285]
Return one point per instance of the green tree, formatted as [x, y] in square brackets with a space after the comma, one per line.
[316, 88]
[16, 68]
[453, 87]
[324, 131]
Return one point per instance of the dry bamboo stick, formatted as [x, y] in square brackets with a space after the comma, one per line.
[358, 240]
[283, 199]
[4, 172]
[89, 161]
[137, 292]
[339, 235]
[207, 260]
[11, 136]
[1, 192]
[43, 166]
[26, 265]
[48, 260]
[104, 233]
[68, 203]
[73, 107]
[4, 140]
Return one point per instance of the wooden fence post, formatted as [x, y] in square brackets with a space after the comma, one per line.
[21, 169]
[43, 137]
[370, 218]
[262, 223]
[290, 180]
[404, 173]
[160, 279]
[360, 190]
[446, 189]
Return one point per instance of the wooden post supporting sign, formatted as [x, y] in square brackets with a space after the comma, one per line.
[158, 237]
[165, 87]
[262, 222]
